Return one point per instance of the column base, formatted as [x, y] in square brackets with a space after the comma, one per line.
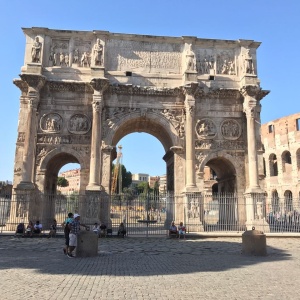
[94, 187]
[255, 189]
[25, 185]
[191, 189]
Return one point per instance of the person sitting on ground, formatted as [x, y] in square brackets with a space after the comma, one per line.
[122, 230]
[66, 227]
[173, 229]
[20, 229]
[96, 229]
[29, 229]
[103, 228]
[181, 230]
[53, 226]
[37, 228]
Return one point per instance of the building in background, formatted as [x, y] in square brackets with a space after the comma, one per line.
[281, 141]
[73, 177]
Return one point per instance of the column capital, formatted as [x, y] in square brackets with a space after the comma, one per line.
[99, 84]
[253, 91]
[34, 82]
[190, 90]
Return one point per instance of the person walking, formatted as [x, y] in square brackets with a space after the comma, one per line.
[74, 232]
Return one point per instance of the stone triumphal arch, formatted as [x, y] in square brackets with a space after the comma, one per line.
[81, 92]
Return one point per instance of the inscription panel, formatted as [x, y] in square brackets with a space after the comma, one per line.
[143, 56]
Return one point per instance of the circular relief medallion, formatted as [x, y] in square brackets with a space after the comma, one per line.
[231, 129]
[51, 123]
[79, 124]
[206, 129]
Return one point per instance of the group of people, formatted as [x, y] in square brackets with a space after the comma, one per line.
[30, 229]
[35, 228]
[177, 231]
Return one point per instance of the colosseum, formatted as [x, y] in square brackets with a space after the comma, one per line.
[281, 140]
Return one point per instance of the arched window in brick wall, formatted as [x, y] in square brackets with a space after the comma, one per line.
[273, 165]
[298, 159]
[286, 161]
[288, 201]
[275, 201]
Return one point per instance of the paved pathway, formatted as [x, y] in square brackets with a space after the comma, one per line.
[153, 268]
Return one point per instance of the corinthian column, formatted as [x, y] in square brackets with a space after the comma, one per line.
[34, 83]
[99, 85]
[250, 107]
[189, 104]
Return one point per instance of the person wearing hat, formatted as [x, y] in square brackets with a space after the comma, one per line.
[74, 232]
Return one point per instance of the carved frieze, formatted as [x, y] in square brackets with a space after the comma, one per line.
[199, 157]
[144, 90]
[76, 87]
[219, 145]
[206, 129]
[63, 139]
[59, 53]
[79, 124]
[83, 150]
[226, 63]
[82, 53]
[230, 129]
[51, 123]
[92, 206]
[177, 118]
[205, 59]
[41, 153]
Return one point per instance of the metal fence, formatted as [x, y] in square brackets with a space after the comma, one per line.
[151, 214]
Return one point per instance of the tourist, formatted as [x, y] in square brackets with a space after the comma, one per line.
[37, 228]
[66, 227]
[29, 228]
[96, 229]
[122, 230]
[74, 232]
[53, 226]
[173, 229]
[20, 229]
[181, 230]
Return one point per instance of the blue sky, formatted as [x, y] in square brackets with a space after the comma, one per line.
[275, 23]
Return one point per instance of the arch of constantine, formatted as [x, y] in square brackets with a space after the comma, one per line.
[82, 91]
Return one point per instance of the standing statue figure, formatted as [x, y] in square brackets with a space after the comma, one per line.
[190, 59]
[98, 51]
[249, 68]
[36, 50]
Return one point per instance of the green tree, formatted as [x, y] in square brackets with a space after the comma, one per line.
[62, 182]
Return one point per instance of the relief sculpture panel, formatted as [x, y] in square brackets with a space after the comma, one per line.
[231, 129]
[59, 53]
[206, 129]
[79, 124]
[51, 123]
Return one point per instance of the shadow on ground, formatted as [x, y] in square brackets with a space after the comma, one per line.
[133, 256]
